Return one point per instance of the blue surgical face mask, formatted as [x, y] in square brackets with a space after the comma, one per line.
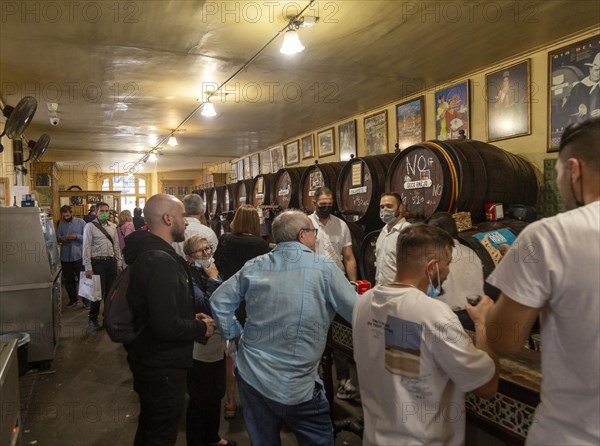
[203, 263]
[433, 291]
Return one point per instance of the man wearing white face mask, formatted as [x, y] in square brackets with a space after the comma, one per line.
[413, 358]
[391, 212]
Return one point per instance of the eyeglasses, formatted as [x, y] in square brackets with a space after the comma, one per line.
[204, 250]
[311, 229]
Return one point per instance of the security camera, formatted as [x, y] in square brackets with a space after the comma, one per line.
[54, 120]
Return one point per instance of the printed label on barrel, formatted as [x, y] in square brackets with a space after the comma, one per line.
[259, 196]
[243, 199]
[417, 184]
[311, 193]
[284, 192]
[357, 190]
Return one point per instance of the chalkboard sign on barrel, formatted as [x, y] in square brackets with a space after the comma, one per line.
[459, 175]
[316, 176]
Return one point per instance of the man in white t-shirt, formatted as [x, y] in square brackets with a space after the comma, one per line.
[552, 271]
[194, 209]
[391, 212]
[414, 360]
[335, 243]
[466, 272]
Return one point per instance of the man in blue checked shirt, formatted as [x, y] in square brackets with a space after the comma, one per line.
[70, 236]
[292, 295]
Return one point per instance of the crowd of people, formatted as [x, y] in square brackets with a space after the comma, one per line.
[213, 313]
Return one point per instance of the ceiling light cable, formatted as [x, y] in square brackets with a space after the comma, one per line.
[291, 22]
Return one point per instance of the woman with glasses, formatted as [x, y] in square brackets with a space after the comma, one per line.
[235, 248]
[206, 380]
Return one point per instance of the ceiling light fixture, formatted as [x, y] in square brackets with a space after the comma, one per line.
[208, 110]
[172, 141]
[291, 42]
[152, 157]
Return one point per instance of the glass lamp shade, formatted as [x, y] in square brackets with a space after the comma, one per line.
[208, 110]
[172, 141]
[291, 43]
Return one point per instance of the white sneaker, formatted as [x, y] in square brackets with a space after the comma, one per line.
[347, 391]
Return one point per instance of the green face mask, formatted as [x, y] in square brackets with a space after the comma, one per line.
[103, 216]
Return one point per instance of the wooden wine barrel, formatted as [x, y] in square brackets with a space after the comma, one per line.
[460, 175]
[260, 192]
[203, 194]
[214, 201]
[359, 187]
[286, 186]
[316, 176]
[242, 193]
[485, 239]
[366, 257]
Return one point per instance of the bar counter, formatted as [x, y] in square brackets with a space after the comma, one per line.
[507, 416]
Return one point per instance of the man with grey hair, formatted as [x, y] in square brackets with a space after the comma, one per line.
[194, 209]
[291, 295]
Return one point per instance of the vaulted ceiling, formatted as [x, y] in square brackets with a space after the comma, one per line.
[125, 74]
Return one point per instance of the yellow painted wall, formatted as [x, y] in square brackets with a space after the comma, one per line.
[533, 146]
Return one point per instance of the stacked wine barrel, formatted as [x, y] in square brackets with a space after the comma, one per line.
[451, 176]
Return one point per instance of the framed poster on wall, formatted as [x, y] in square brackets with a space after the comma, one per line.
[508, 102]
[376, 137]
[452, 120]
[574, 94]
[347, 138]
[326, 143]
[265, 162]
[291, 153]
[308, 149]
[410, 123]
[277, 158]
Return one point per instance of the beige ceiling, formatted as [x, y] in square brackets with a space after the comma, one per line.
[152, 57]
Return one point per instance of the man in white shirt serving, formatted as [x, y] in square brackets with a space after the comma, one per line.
[391, 212]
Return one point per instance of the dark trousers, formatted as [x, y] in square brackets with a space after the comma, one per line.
[206, 387]
[465, 320]
[161, 393]
[107, 270]
[71, 272]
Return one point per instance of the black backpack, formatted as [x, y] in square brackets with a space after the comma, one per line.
[118, 314]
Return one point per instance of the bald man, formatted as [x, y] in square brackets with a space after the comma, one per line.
[162, 298]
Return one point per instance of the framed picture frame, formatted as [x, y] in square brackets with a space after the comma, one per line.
[94, 198]
[326, 143]
[452, 113]
[255, 165]
[508, 110]
[410, 122]
[307, 146]
[265, 162]
[247, 169]
[347, 140]
[233, 170]
[291, 153]
[110, 199]
[76, 200]
[277, 159]
[573, 95]
[376, 135]
[240, 170]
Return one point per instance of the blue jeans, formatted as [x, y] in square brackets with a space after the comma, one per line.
[309, 421]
